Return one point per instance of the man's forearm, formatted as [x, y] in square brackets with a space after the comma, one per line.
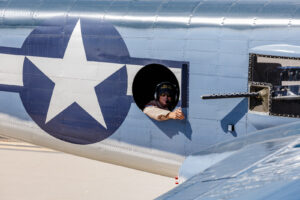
[156, 113]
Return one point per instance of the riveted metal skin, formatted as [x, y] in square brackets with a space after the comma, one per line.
[205, 42]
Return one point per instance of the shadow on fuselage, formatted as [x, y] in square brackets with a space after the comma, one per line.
[235, 115]
[174, 127]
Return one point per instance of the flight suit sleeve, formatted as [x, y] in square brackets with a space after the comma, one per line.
[156, 113]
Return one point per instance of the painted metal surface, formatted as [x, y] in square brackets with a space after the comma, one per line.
[212, 37]
[62, 76]
[261, 166]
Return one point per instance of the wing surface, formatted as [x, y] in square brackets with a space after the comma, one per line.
[264, 165]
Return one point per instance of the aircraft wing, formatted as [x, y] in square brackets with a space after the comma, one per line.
[265, 165]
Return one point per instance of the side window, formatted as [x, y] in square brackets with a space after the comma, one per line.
[146, 80]
[280, 76]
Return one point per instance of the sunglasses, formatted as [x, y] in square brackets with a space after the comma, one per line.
[165, 94]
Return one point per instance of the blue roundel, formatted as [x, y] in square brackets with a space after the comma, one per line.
[75, 123]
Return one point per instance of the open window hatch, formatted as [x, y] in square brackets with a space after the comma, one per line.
[148, 78]
[273, 85]
[279, 78]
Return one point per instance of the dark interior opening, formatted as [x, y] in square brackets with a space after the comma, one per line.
[147, 79]
[281, 77]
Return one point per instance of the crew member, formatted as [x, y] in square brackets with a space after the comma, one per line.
[160, 109]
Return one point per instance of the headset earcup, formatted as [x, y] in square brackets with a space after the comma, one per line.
[156, 91]
[177, 93]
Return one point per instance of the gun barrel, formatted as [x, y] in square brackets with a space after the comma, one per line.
[231, 95]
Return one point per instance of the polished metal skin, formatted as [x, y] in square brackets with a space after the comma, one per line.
[212, 37]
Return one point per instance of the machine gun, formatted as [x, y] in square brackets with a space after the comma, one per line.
[259, 94]
[231, 95]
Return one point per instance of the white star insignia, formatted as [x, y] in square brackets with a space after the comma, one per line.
[75, 78]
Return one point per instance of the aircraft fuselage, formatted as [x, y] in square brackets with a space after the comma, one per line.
[68, 72]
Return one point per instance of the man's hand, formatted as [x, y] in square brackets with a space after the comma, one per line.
[176, 114]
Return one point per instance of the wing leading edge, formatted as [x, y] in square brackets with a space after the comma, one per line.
[265, 165]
